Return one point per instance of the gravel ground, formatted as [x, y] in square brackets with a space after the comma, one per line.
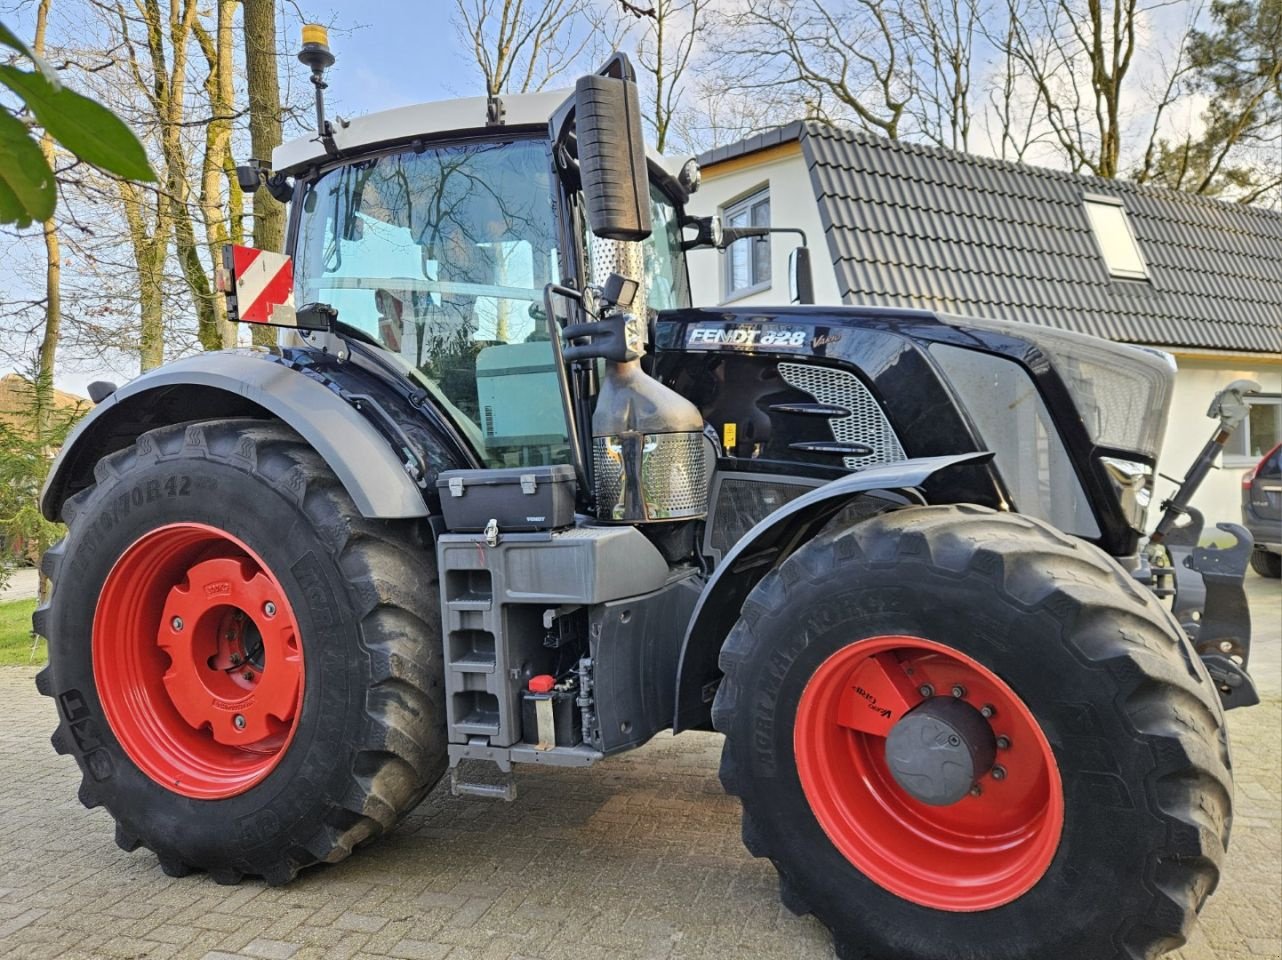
[637, 858]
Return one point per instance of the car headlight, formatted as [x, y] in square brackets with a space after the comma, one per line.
[1133, 486]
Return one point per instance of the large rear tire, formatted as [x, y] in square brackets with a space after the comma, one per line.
[246, 670]
[1099, 829]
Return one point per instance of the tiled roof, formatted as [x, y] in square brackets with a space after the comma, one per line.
[911, 225]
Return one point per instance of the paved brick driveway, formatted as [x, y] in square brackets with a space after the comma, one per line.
[645, 846]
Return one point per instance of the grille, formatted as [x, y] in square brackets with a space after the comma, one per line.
[866, 424]
[674, 481]
[741, 504]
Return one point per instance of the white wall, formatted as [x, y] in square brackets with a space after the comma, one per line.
[792, 204]
[1188, 429]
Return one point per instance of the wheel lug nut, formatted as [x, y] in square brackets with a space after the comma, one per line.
[976, 790]
[999, 772]
[988, 711]
[1003, 743]
[959, 691]
[235, 659]
[269, 609]
[238, 722]
[926, 690]
[248, 674]
[177, 624]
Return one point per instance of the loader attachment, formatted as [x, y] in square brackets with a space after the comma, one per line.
[1206, 583]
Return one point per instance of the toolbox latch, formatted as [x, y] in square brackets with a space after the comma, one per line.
[456, 486]
[529, 484]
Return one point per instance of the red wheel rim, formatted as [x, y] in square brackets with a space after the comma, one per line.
[984, 851]
[197, 661]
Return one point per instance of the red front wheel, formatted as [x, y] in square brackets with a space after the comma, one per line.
[961, 733]
[929, 773]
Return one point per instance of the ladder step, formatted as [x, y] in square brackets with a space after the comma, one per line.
[504, 789]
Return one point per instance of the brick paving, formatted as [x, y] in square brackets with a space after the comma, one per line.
[637, 858]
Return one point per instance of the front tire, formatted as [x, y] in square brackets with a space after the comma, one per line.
[246, 670]
[1104, 832]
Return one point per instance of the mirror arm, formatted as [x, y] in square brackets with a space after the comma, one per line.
[730, 234]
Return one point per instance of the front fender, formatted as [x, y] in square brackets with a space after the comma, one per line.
[762, 549]
[240, 383]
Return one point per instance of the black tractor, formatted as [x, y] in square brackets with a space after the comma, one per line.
[502, 495]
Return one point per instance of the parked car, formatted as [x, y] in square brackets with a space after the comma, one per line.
[1262, 512]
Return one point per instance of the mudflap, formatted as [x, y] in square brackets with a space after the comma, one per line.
[1210, 604]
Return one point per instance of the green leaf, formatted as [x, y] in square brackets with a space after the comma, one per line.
[10, 39]
[11, 211]
[89, 130]
[24, 173]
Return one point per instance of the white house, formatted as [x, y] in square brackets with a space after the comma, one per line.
[908, 225]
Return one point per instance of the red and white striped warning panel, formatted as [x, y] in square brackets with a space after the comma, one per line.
[261, 287]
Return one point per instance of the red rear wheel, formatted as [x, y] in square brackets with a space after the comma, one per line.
[976, 854]
[198, 662]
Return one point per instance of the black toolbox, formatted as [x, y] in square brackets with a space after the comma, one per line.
[516, 498]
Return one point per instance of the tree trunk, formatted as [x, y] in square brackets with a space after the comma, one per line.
[44, 390]
[53, 273]
[216, 215]
[264, 127]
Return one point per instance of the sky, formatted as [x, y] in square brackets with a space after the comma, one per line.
[392, 53]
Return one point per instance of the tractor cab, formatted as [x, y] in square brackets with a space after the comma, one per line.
[438, 248]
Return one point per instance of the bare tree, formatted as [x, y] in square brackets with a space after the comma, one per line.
[672, 33]
[941, 36]
[841, 61]
[1235, 62]
[1078, 55]
[264, 115]
[47, 359]
[217, 164]
[521, 45]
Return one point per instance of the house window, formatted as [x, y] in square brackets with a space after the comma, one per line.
[748, 261]
[1116, 239]
[1259, 433]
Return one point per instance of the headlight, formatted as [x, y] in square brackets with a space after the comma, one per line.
[1133, 486]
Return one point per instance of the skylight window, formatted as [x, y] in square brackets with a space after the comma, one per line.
[1116, 239]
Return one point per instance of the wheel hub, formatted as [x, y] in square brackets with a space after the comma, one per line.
[219, 650]
[928, 773]
[939, 749]
[197, 661]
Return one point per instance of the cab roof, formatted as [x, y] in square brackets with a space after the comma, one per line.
[435, 119]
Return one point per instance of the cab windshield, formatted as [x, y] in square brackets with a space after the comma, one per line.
[441, 256]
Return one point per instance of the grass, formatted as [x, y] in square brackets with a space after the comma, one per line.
[16, 647]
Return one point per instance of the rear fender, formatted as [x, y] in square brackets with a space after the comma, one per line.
[766, 546]
[240, 383]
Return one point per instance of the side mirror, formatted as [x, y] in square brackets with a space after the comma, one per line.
[801, 281]
[612, 157]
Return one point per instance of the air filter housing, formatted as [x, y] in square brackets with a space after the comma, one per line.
[648, 456]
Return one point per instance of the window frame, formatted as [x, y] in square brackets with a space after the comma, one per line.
[746, 201]
[1233, 458]
[1116, 273]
